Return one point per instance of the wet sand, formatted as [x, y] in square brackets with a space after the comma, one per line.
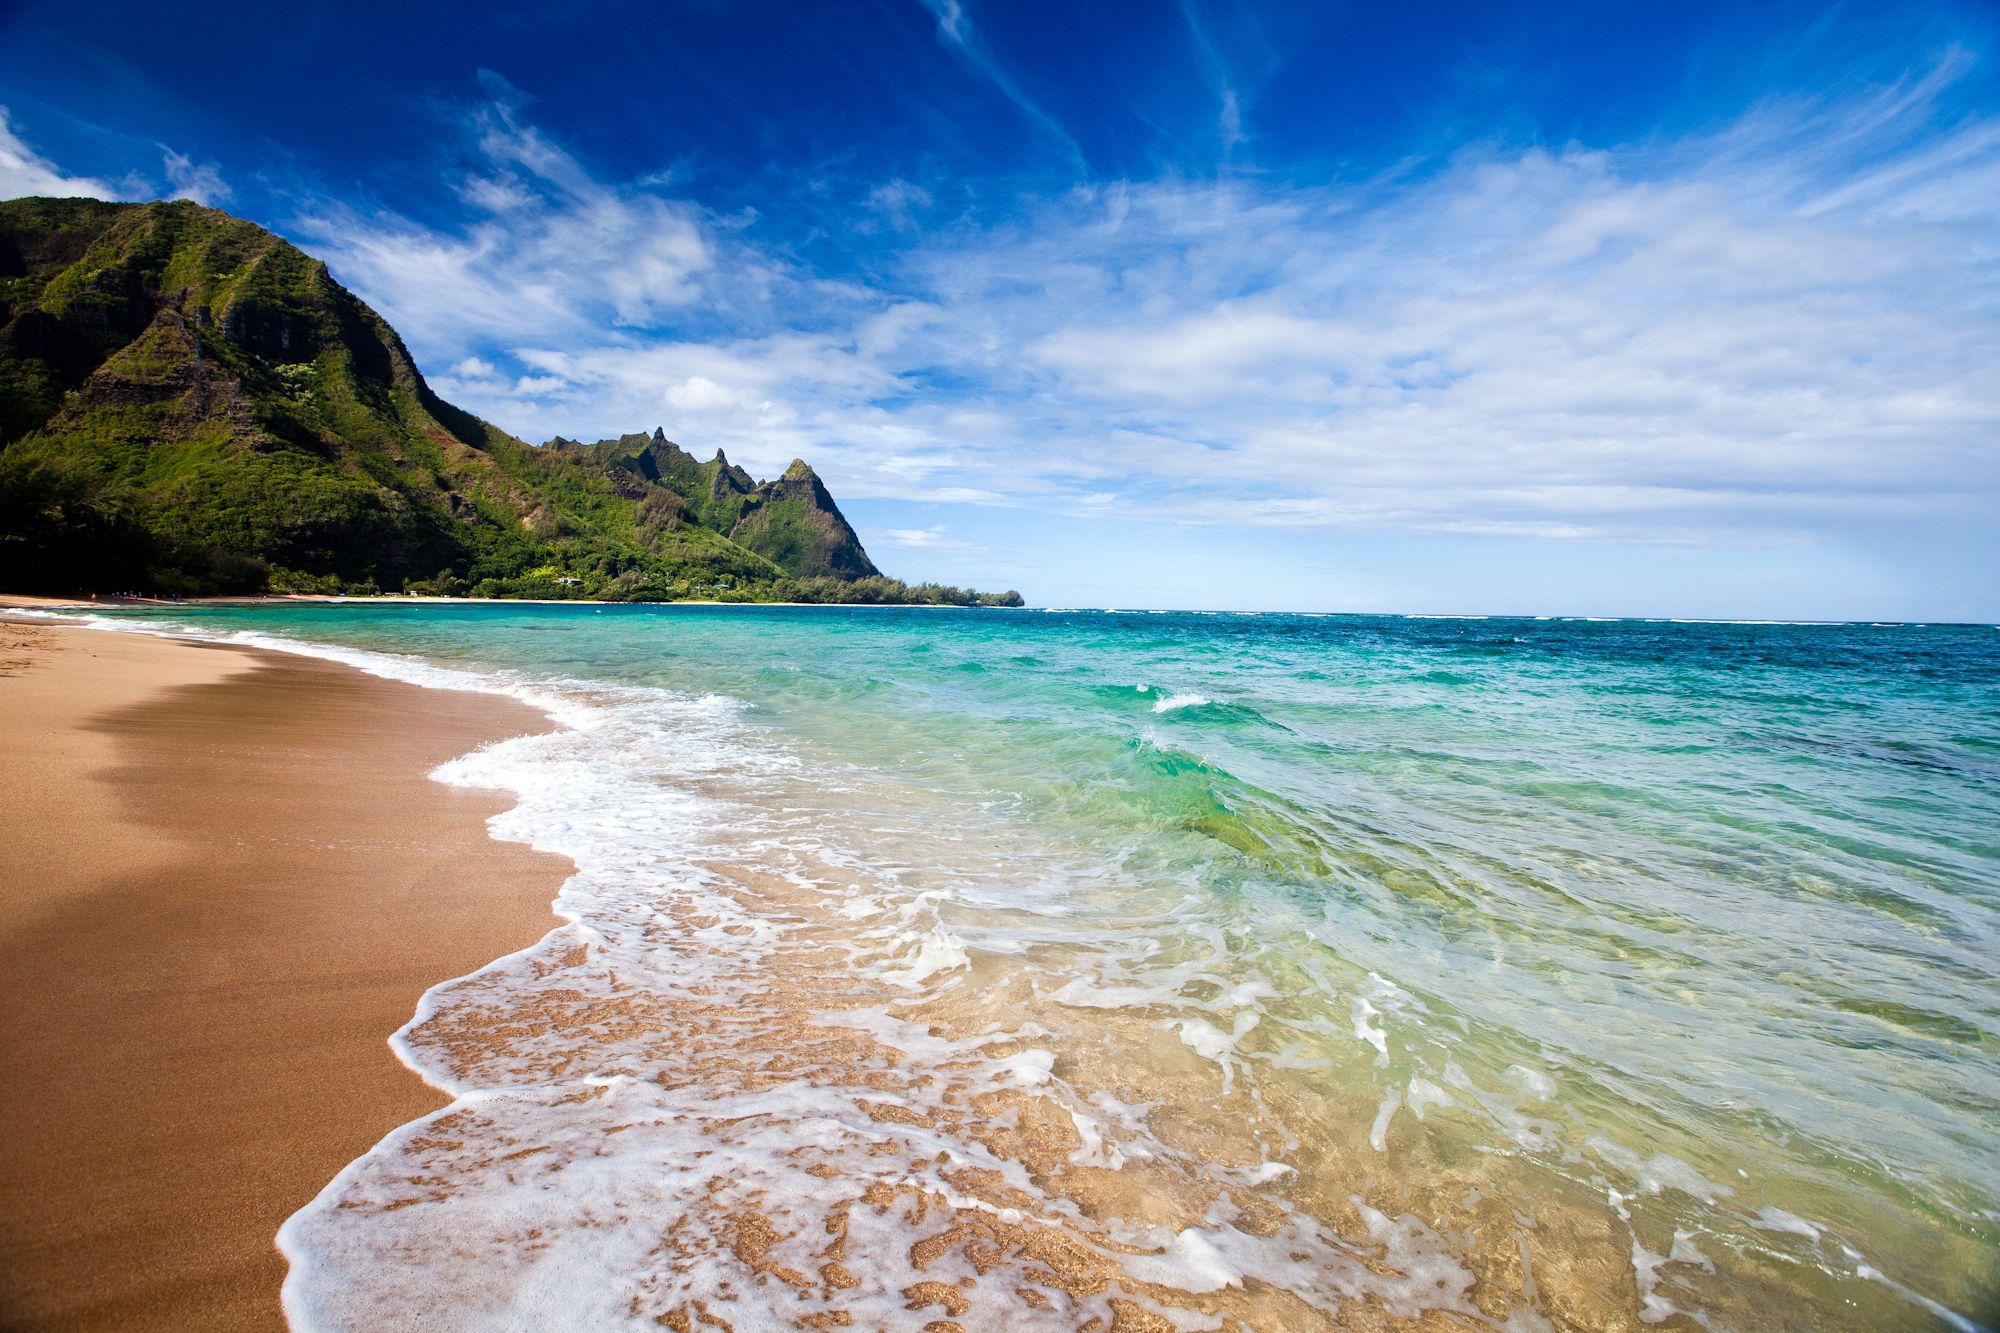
[225, 879]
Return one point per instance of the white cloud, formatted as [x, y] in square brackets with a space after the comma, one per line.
[898, 202]
[187, 179]
[951, 20]
[699, 393]
[1569, 344]
[933, 539]
[553, 251]
[1782, 329]
[496, 194]
[25, 172]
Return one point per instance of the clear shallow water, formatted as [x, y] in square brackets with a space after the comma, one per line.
[1043, 967]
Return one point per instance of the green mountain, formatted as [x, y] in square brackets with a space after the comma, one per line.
[190, 404]
[792, 522]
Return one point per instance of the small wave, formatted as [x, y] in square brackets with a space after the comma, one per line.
[1174, 702]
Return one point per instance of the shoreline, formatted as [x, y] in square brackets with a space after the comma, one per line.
[36, 601]
[39, 602]
[229, 879]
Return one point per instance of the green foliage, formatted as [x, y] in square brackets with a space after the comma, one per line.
[880, 590]
[62, 530]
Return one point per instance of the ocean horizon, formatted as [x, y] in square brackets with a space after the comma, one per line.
[1188, 967]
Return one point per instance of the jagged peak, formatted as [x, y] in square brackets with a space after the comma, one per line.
[800, 470]
[719, 459]
[659, 435]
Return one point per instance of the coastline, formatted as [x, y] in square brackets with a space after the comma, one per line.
[84, 605]
[229, 880]
[741, 943]
[426, 599]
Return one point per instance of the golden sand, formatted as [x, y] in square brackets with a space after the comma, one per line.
[227, 879]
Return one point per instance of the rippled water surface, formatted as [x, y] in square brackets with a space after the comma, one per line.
[1179, 970]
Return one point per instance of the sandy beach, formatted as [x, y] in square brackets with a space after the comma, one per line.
[227, 879]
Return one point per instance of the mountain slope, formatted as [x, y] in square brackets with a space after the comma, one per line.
[189, 403]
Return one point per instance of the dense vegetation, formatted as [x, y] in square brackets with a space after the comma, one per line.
[189, 404]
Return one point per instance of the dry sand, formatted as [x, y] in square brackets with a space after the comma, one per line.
[225, 879]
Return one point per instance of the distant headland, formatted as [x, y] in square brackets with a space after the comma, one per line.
[190, 405]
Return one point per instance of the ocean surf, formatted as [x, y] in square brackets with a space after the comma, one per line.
[1197, 971]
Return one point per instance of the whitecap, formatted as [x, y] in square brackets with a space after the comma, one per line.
[1174, 702]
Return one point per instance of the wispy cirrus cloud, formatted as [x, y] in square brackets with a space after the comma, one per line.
[925, 539]
[24, 172]
[1784, 326]
[898, 203]
[957, 30]
[199, 181]
[545, 247]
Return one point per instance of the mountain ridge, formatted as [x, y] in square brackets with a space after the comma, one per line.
[190, 404]
[765, 517]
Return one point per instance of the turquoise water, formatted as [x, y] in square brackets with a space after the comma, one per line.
[1669, 945]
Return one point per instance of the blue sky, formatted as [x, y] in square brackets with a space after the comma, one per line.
[1686, 309]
